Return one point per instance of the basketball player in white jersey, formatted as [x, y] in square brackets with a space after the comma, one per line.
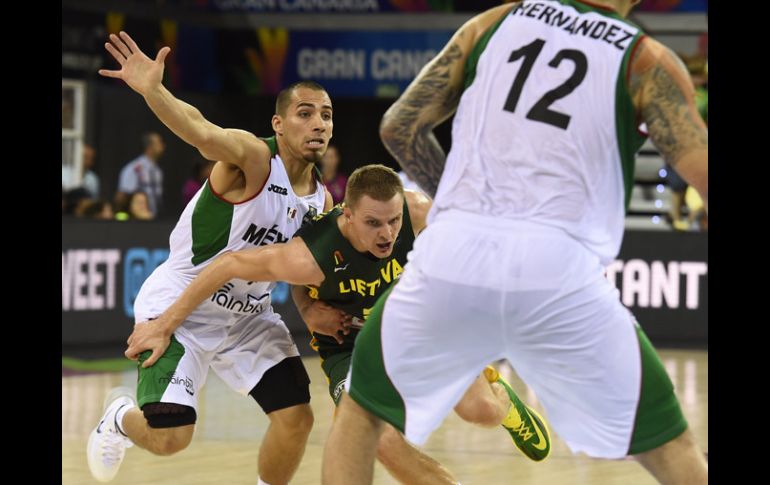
[549, 99]
[258, 193]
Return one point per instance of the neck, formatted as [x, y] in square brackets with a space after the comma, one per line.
[301, 176]
[622, 7]
[300, 171]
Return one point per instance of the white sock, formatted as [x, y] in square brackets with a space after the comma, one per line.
[119, 417]
[262, 482]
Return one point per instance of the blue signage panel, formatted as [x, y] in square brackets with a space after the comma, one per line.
[361, 63]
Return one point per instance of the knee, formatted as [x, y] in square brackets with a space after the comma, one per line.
[169, 446]
[295, 422]
[304, 419]
[483, 412]
[388, 445]
[171, 441]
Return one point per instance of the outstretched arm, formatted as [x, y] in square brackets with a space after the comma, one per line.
[407, 127]
[663, 93]
[291, 262]
[145, 76]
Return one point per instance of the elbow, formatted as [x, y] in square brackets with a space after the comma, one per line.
[228, 266]
[387, 131]
[204, 142]
[395, 130]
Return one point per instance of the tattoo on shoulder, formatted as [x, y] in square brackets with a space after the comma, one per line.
[412, 142]
[671, 122]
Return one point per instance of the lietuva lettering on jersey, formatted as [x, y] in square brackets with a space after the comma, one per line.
[252, 304]
[390, 272]
[262, 236]
[593, 28]
[278, 189]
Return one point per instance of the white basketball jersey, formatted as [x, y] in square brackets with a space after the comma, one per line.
[210, 226]
[545, 129]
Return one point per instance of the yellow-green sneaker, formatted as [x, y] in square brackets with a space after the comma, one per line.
[527, 428]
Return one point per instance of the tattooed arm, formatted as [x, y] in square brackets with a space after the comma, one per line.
[664, 95]
[407, 127]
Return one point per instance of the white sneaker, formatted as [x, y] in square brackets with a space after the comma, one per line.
[106, 445]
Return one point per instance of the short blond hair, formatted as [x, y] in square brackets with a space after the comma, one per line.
[377, 181]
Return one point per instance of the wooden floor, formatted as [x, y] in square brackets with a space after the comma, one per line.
[229, 429]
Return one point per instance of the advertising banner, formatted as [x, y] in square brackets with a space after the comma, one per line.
[661, 276]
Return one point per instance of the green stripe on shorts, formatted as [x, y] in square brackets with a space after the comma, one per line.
[370, 385]
[154, 380]
[659, 418]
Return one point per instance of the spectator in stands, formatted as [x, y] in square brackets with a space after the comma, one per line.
[144, 175]
[334, 180]
[74, 201]
[135, 208]
[99, 209]
[89, 179]
[200, 173]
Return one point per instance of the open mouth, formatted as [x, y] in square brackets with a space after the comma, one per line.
[315, 143]
[384, 246]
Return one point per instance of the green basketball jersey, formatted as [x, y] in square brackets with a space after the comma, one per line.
[353, 280]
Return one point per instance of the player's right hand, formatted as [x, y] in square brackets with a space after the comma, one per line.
[137, 70]
[326, 320]
[150, 336]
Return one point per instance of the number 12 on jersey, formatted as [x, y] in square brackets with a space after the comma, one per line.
[540, 110]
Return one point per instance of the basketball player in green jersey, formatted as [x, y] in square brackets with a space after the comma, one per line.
[348, 258]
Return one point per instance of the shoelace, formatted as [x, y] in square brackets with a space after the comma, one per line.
[113, 448]
[524, 432]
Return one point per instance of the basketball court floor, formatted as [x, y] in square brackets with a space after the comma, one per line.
[230, 427]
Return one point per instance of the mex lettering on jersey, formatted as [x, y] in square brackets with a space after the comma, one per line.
[262, 236]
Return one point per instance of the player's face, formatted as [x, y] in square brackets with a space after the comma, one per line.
[307, 124]
[376, 224]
